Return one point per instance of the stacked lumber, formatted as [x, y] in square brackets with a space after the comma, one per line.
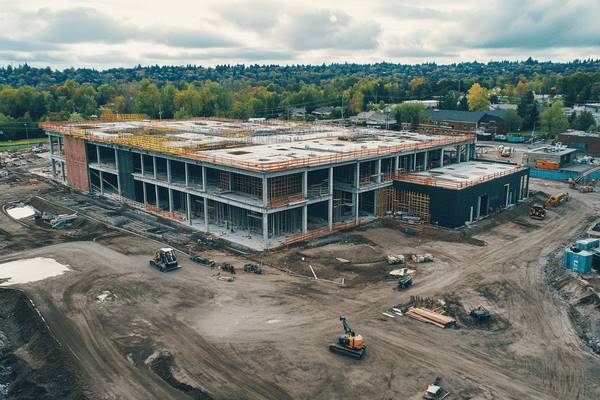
[430, 316]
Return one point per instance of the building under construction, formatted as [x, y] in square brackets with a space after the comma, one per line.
[261, 184]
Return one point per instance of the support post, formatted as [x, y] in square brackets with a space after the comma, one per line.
[330, 213]
[154, 166]
[304, 219]
[265, 191]
[331, 181]
[378, 170]
[265, 223]
[468, 155]
[458, 154]
[414, 164]
[357, 176]
[119, 189]
[305, 185]
[441, 157]
[425, 160]
[188, 207]
[62, 169]
[156, 192]
[170, 191]
[169, 179]
[51, 144]
[203, 178]
[206, 213]
[100, 174]
[53, 168]
[356, 208]
[396, 163]
[142, 164]
[145, 190]
[97, 153]
[187, 174]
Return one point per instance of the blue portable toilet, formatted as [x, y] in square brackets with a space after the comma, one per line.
[582, 262]
[587, 244]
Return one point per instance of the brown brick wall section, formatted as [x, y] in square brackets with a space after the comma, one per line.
[76, 163]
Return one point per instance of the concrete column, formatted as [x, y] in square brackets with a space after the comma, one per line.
[304, 219]
[468, 155]
[169, 171]
[203, 178]
[142, 163]
[118, 175]
[265, 227]
[51, 143]
[265, 191]
[458, 153]
[331, 181]
[100, 174]
[206, 213]
[442, 157]
[414, 160]
[356, 208]
[357, 176]
[188, 207]
[330, 214]
[187, 174]
[53, 168]
[305, 184]
[396, 163]
[62, 169]
[156, 192]
[154, 165]
[170, 200]
[378, 171]
[145, 193]
[97, 153]
[425, 160]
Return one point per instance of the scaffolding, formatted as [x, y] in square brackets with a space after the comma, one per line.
[392, 200]
[285, 189]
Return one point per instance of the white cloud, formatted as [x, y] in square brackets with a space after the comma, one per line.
[105, 33]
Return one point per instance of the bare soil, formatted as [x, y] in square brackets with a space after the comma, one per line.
[129, 331]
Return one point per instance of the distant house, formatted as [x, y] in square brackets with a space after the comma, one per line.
[490, 121]
[375, 119]
[297, 112]
[424, 103]
[323, 112]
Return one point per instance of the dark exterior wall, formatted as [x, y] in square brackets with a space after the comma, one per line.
[452, 208]
[458, 125]
[76, 163]
[588, 144]
[125, 162]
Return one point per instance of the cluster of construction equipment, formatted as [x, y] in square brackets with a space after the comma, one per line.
[538, 210]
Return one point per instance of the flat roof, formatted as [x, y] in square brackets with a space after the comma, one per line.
[552, 149]
[581, 133]
[258, 145]
[461, 175]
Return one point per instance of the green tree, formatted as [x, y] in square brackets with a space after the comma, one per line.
[479, 98]
[553, 119]
[584, 121]
[528, 111]
[147, 100]
[463, 105]
[513, 120]
[413, 113]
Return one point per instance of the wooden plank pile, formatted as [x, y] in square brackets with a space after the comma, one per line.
[430, 316]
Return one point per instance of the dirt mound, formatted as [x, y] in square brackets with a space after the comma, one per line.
[33, 364]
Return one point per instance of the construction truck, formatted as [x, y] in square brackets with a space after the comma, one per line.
[250, 267]
[165, 260]
[557, 199]
[537, 211]
[480, 314]
[435, 391]
[404, 282]
[203, 260]
[349, 344]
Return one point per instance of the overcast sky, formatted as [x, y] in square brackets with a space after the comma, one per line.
[108, 33]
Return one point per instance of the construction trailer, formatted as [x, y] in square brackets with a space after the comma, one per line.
[261, 184]
[459, 194]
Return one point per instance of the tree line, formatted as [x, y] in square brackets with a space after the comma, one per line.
[31, 94]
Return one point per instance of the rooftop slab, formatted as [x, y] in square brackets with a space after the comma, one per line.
[461, 175]
[260, 146]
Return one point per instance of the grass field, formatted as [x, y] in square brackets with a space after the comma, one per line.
[12, 145]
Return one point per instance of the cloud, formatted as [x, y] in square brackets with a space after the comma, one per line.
[324, 29]
[257, 15]
[248, 54]
[538, 24]
[88, 25]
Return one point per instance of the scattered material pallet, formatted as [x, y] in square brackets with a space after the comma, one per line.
[431, 317]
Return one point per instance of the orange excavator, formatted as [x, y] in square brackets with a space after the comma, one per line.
[349, 344]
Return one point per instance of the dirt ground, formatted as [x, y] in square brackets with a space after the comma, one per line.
[126, 331]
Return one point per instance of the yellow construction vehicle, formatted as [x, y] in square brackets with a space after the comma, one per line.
[165, 260]
[537, 211]
[557, 199]
[349, 344]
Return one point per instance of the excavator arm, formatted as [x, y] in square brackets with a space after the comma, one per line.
[347, 329]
